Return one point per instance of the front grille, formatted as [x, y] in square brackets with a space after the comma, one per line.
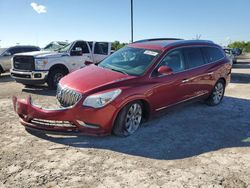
[67, 97]
[24, 63]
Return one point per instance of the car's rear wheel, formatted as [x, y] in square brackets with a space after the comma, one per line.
[217, 94]
[128, 119]
[54, 77]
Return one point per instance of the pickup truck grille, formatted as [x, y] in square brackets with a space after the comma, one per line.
[24, 63]
[67, 97]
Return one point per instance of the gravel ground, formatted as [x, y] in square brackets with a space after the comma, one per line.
[192, 145]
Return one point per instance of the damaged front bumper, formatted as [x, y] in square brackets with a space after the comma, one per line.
[65, 120]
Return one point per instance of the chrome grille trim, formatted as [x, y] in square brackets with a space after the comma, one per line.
[42, 122]
[67, 97]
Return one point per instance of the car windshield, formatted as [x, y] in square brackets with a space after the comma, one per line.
[65, 48]
[131, 61]
[2, 50]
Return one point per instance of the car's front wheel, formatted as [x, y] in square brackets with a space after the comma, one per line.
[128, 119]
[217, 94]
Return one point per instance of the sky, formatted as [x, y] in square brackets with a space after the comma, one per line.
[38, 22]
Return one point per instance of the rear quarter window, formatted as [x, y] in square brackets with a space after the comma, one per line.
[213, 54]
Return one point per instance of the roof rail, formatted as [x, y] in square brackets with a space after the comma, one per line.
[155, 39]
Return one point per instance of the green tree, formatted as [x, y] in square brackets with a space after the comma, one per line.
[245, 46]
[117, 45]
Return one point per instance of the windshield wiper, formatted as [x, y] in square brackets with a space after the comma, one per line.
[119, 71]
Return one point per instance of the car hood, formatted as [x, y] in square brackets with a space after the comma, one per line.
[43, 54]
[92, 77]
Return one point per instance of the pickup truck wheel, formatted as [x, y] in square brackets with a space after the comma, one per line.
[54, 77]
[128, 119]
[217, 94]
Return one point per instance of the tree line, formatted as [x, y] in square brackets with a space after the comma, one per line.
[117, 45]
[244, 46]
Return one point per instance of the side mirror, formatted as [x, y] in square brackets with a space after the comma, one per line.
[165, 70]
[88, 62]
[76, 52]
[7, 54]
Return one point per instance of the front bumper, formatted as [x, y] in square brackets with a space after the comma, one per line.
[78, 119]
[29, 77]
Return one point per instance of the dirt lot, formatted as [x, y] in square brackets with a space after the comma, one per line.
[189, 146]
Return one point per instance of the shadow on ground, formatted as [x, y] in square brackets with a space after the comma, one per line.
[182, 132]
[241, 78]
[39, 90]
[242, 65]
[5, 78]
[238, 77]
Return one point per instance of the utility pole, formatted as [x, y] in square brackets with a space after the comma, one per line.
[132, 22]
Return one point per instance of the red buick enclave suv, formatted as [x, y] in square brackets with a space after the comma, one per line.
[131, 85]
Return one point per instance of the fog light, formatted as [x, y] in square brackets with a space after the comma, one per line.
[91, 126]
[38, 75]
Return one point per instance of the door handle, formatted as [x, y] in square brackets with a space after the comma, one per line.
[210, 73]
[185, 80]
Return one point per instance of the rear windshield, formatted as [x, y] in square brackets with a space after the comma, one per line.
[131, 61]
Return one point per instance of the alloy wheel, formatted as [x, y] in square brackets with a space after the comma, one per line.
[218, 93]
[133, 118]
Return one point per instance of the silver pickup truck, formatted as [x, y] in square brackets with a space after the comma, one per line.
[6, 55]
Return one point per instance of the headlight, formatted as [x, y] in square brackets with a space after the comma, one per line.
[100, 100]
[40, 63]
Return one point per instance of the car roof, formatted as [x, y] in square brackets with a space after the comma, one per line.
[24, 46]
[161, 44]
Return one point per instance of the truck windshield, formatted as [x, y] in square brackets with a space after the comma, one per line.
[131, 61]
[53, 46]
[65, 48]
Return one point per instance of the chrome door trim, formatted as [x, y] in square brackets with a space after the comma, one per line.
[162, 108]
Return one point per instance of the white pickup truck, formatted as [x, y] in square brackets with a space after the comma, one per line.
[49, 67]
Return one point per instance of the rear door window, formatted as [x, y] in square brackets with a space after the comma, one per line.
[194, 57]
[101, 48]
[213, 54]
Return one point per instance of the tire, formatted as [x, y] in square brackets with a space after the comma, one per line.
[54, 77]
[217, 94]
[128, 119]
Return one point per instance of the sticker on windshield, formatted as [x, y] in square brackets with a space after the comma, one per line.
[148, 52]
